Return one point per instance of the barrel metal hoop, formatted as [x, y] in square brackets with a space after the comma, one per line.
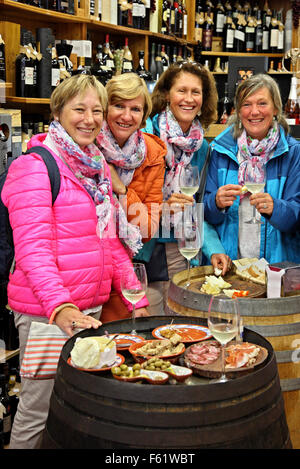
[286, 356]
[277, 330]
[292, 384]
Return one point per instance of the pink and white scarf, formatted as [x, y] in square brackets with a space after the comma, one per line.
[180, 148]
[125, 159]
[90, 168]
[255, 153]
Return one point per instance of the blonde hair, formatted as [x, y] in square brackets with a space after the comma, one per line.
[129, 86]
[249, 86]
[70, 87]
[209, 112]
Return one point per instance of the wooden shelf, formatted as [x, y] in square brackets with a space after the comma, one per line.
[18, 99]
[239, 54]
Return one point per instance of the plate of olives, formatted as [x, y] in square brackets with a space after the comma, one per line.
[136, 373]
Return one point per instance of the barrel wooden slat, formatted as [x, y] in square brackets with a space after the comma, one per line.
[277, 319]
[96, 411]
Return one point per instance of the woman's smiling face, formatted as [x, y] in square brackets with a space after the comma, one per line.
[125, 117]
[257, 112]
[185, 98]
[82, 117]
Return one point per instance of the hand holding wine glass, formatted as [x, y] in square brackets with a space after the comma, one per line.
[223, 323]
[255, 182]
[189, 244]
[134, 286]
[189, 179]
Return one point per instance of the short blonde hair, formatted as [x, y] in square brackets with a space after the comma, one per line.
[70, 87]
[129, 86]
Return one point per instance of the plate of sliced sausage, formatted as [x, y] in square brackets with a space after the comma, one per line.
[205, 358]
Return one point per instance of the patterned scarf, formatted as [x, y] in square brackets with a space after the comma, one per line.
[255, 153]
[125, 159]
[90, 168]
[180, 148]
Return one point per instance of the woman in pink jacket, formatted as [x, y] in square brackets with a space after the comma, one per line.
[67, 255]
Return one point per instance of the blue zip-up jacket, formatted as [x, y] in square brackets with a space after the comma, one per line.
[211, 244]
[280, 235]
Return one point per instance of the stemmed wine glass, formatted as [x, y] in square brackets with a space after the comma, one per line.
[189, 243]
[189, 179]
[223, 324]
[134, 286]
[255, 183]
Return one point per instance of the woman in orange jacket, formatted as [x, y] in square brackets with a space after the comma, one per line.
[136, 161]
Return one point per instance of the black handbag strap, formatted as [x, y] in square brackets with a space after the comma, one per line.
[53, 171]
[200, 192]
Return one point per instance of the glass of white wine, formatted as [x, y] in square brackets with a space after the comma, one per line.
[134, 286]
[223, 323]
[255, 183]
[189, 243]
[189, 179]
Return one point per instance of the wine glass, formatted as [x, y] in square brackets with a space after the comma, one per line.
[223, 325]
[189, 243]
[255, 183]
[134, 286]
[189, 179]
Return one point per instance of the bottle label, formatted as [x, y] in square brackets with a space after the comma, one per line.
[110, 63]
[207, 39]
[274, 38]
[55, 76]
[229, 38]
[265, 40]
[29, 72]
[127, 65]
[239, 35]
[280, 40]
[220, 22]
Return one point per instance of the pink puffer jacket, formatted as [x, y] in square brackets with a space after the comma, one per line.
[59, 257]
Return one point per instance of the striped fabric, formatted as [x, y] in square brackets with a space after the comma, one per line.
[42, 352]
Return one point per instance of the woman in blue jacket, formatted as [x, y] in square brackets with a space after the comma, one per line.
[184, 103]
[258, 136]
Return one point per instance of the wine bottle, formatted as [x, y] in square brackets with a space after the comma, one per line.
[159, 65]
[229, 32]
[199, 21]
[165, 17]
[108, 58]
[219, 19]
[288, 27]
[184, 19]
[179, 57]
[5, 409]
[172, 18]
[24, 69]
[266, 34]
[207, 33]
[33, 52]
[268, 14]
[280, 40]
[164, 58]
[122, 13]
[152, 67]
[239, 34]
[2, 60]
[225, 107]
[55, 70]
[292, 109]
[237, 10]
[273, 33]
[250, 33]
[176, 29]
[258, 32]
[127, 63]
[136, 16]
[141, 70]
[99, 69]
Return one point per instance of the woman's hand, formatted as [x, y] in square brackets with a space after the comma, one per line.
[70, 318]
[226, 195]
[141, 312]
[221, 261]
[177, 201]
[263, 203]
[117, 185]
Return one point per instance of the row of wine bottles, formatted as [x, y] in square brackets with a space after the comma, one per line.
[242, 28]
[62, 6]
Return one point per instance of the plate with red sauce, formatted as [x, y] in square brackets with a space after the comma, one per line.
[188, 332]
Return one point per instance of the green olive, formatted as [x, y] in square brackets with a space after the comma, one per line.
[123, 366]
[137, 366]
[116, 370]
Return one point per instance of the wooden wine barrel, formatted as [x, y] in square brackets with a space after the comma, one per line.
[277, 319]
[91, 411]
